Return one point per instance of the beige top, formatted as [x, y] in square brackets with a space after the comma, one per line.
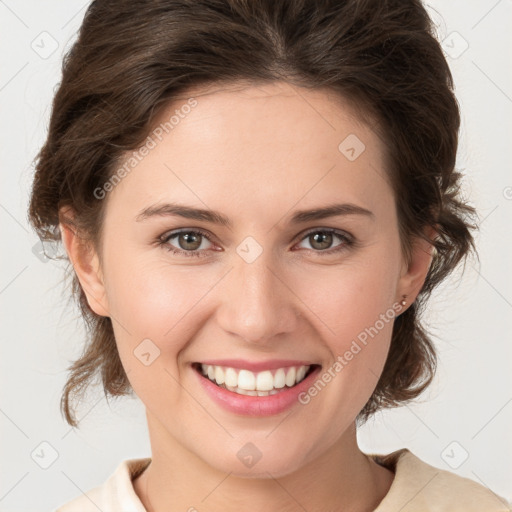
[417, 487]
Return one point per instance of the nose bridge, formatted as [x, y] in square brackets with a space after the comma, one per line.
[257, 305]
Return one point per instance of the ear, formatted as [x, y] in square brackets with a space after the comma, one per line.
[415, 271]
[86, 264]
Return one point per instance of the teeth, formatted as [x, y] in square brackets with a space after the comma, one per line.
[290, 376]
[280, 379]
[219, 375]
[245, 382]
[264, 381]
[231, 377]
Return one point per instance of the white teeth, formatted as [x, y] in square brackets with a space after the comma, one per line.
[290, 376]
[263, 383]
[300, 373]
[246, 380]
[280, 379]
[231, 378]
[219, 375]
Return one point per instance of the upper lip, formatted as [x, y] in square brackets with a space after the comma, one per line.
[256, 366]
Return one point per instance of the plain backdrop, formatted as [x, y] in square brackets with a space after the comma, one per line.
[462, 423]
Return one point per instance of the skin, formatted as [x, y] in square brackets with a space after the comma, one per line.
[256, 154]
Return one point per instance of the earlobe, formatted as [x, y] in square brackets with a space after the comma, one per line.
[87, 268]
[415, 273]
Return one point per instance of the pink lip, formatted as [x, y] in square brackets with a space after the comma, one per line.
[259, 366]
[256, 405]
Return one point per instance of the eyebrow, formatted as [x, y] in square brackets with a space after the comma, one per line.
[214, 217]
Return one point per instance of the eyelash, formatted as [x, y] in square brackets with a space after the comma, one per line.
[163, 241]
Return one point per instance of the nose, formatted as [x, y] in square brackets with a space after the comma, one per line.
[257, 302]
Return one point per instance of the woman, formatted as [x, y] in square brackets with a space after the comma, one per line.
[257, 198]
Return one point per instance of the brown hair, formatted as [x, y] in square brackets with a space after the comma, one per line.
[133, 57]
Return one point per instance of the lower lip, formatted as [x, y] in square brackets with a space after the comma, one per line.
[256, 405]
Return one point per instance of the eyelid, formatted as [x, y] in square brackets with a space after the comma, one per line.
[340, 232]
[348, 240]
[173, 232]
[299, 238]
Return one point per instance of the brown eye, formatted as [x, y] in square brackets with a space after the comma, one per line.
[186, 243]
[189, 241]
[321, 240]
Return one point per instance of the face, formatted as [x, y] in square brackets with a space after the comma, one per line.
[267, 289]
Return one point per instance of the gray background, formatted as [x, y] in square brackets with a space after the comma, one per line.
[467, 412]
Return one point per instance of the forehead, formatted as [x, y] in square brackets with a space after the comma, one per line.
[256, 145]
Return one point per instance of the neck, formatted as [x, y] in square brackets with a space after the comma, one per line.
[343, 478]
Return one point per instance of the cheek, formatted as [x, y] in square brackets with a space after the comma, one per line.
[145, 302]
[154, 317]
[149, 297]
[353, 317]
[354, 325]
[348, 299]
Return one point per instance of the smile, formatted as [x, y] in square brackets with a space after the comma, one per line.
[268, 388]
[246, 382]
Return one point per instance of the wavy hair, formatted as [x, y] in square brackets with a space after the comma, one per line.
[133, 57]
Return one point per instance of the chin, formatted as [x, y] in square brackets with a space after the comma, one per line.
[265, 462]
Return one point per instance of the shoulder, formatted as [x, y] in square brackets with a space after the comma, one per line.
[117, 493]
[420, 487]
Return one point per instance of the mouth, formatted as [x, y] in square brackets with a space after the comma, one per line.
[264, 383]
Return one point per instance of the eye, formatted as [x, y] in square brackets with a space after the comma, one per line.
[186, 243]
[321, 240]
[195, 243]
